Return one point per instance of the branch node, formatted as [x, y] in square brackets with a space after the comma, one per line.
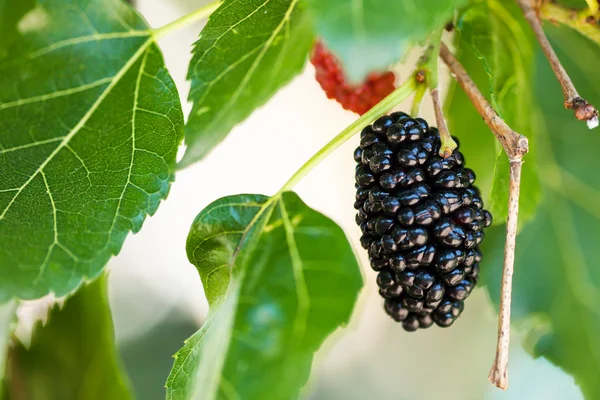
[521, 147]
[583, 111]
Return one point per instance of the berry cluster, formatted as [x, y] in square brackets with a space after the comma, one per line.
[358, 98]
[421, 220]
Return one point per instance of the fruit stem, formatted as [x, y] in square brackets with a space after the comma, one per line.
[428, 62]
[582, 109]
[515, 146]
[448, 144]
[194, 16]
[416, 106]
[397, 96]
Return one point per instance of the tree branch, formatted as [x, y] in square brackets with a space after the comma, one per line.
[499, 371]
[582, 109]
[515, 146]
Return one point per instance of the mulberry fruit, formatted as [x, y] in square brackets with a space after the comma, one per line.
[358, 98]
[421, 220]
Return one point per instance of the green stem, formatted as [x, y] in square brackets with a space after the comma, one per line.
[421, 89]
[432, 65]
[583, 21]
[396, 97]
[194, 16]
[429, 63]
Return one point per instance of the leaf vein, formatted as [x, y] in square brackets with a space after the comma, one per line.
[136, 95]
[216, 41]
[254, 65]
[83, 120]
[29, 145]
[56, 94]
[301, 317]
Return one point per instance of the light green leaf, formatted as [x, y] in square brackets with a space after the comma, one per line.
[90, 122]
[280, 278]
[556, 288]
[497, 34]
[371, 35]
[245, 53]
[73, 356]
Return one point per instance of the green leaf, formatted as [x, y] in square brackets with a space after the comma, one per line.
[556, 290]
[11, 13]
[280, 278]
[573, 3]
[90, 122]
[497, 34]
[74, 355]
[246, 52]
[371, 35]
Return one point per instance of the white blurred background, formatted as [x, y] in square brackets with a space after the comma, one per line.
[157, 296]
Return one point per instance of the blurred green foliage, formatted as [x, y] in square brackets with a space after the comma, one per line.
[73, 356]
[492, 36]
[555, 294]
[557, 268]
[148, 358]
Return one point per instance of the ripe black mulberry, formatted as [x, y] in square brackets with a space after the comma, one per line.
[421, 220]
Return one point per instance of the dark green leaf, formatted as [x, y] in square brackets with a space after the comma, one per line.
[246, 52]
[11, 13]
[90, 121]
[280, 278]
[557, 272]
[73, 356]
[497, 34]
[371, 35]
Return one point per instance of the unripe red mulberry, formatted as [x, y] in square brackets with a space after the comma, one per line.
[358, 98]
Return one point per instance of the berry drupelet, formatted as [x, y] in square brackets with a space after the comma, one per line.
[421, 218]
[359, 98]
